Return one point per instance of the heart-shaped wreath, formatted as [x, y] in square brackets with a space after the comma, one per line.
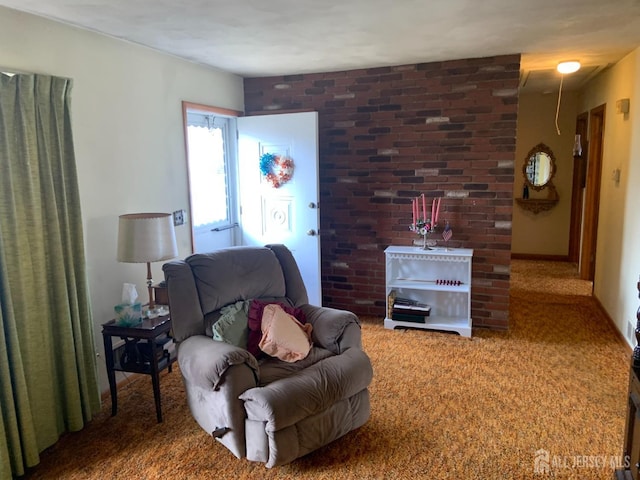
[277, 169]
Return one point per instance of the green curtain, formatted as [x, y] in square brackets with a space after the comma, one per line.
[48, 375]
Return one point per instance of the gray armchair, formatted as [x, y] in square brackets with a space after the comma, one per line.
[264, 409]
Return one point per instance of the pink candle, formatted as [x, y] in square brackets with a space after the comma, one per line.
[433, 212]
[413, 210]
[424, 209]
[437, 211]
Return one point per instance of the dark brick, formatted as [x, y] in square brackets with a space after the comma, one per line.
[371, 79]
[413, 121]
[378, 70]
[324, 83]
[450, 126]
[336, 132]
[292, 78]
[365, 138]
[476, 186]
[380, 130]
[359, 88]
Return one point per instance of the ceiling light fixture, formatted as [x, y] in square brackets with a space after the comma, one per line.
[570, 66]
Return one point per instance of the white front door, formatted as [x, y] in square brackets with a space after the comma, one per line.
[289, 213]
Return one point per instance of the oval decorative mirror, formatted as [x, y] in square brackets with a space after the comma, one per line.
[539, 167]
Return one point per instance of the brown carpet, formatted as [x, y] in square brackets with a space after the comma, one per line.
[443, 406]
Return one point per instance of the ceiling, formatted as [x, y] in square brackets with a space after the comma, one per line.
[263, 38]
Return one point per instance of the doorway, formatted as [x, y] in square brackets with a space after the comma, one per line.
[254, 181]
[276, 208]
[577, 187]
[592, 194]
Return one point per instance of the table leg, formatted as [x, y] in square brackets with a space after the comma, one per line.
[155, 379]
[111, 374]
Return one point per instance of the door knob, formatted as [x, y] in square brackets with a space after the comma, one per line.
[312, 205]
[312, 233]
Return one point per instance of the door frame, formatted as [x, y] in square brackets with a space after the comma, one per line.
[577, 188]
[592, 194]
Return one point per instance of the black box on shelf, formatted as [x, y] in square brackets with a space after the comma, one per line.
[403, 317]
[417, 309]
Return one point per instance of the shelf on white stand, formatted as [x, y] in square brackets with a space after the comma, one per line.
[422, 275]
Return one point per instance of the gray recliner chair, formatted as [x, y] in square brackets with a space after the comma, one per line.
[265, 409]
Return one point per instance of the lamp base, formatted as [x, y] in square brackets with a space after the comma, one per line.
[150, 287]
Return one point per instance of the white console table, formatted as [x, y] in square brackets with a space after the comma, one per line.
[440, 278]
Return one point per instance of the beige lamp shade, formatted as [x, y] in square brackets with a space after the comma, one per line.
[146, 237]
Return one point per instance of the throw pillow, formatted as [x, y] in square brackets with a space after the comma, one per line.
[232, 325]
[255, 322]
[283, 336]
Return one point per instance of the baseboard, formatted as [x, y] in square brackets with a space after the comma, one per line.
[536, 256]
[126, 381]
[613, 325]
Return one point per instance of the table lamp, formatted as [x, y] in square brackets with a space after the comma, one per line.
[146, 238]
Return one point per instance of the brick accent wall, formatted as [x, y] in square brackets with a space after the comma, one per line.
[445, 129]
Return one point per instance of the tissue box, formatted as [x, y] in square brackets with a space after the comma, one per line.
[128, 315]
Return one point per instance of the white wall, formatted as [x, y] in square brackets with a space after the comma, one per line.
[545, 233]
[618, 255]
[127, 120]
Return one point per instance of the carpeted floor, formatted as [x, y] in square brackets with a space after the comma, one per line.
[443, 406]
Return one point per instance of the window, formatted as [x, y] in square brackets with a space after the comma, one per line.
[211, 150]
[208, 170]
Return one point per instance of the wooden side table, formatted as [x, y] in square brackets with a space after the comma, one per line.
[142, 352]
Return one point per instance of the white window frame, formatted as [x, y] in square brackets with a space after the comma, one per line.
[226, 120]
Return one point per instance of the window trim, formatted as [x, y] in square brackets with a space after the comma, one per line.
[231, 164]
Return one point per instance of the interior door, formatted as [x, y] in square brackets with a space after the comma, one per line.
[286, 214]
[577, 189]
[592, 194]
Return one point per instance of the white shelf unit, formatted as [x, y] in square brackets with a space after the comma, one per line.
[413, 274]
